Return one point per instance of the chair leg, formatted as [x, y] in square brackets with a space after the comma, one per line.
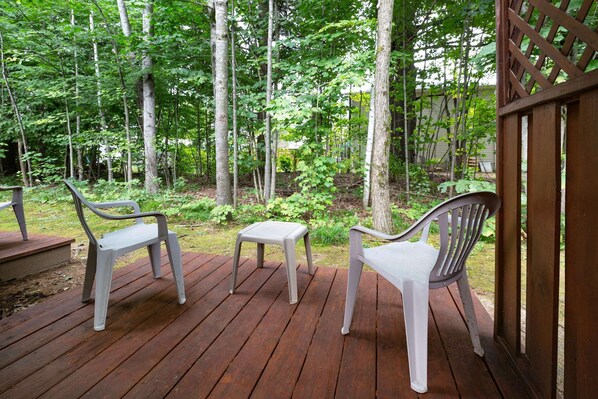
[176, 265]
[237, 256]
[291, 261]
[472, 324]
[105, 265]
[20, 214]
[90, 272]
[355, 268]
[154, 255]
[415, 308]
[310, 264]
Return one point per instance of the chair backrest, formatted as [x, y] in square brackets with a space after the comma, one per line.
[79, 201]
[461, 220]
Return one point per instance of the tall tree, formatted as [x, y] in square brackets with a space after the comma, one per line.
[268, 136]
[223, 189]
[233, 64]
[381, 216]
[149, 105]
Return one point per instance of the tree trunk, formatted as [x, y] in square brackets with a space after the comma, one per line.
[25, 167]
[267, 138]
[223, 189]
[126, 28]
[149, 106]
[124, 17]
[233, 62]
[381, 216]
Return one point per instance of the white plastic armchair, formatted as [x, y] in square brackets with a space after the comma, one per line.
[416, 267]
[17, 206]
[104, 251]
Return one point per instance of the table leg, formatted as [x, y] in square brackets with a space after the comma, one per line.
[310, 264]
[260, 255]
[291, 261]
[233, 282]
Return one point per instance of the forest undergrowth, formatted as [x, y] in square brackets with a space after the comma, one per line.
[201, 227]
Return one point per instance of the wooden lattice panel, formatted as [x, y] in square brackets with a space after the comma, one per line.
[550, 42]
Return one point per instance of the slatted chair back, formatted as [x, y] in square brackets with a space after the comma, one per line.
[461, 221]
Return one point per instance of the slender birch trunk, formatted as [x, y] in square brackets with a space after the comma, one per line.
[126, 28]
[124, 18]
[149, 106]
[223, 188]
[268, 139]
[381, 216]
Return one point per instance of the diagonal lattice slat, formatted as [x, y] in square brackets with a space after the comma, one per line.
[550, 44]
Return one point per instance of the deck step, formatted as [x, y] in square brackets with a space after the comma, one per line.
[20, 258]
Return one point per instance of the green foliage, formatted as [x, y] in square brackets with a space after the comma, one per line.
[419, 181]
[197, 210]
[222, 214]
[316, 183]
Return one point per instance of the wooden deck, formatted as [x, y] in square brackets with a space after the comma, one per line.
[19, 258]
[252, 343]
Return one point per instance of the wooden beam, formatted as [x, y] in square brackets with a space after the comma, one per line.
[543, 223]
[581, 275]
[508, 244]
[559, 92]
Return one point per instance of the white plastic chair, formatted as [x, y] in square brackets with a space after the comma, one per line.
[17, 206]
[104, 251]
[416, 267]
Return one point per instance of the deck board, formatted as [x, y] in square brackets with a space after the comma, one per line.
[251, 344]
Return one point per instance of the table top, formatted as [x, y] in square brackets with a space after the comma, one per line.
[270, 230]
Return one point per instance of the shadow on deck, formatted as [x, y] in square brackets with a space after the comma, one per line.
[252, 343]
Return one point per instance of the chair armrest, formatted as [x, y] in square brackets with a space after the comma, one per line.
[371, 232]
[118, 204]
[160, 219]
[17, 193]
[415, 228]
[405, 235]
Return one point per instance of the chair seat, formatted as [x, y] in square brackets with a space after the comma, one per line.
[137, 235]
[402, 261]
[5, 204]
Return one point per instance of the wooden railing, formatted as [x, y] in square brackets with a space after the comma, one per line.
[547, 69]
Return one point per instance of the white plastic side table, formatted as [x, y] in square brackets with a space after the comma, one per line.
[284, 234]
